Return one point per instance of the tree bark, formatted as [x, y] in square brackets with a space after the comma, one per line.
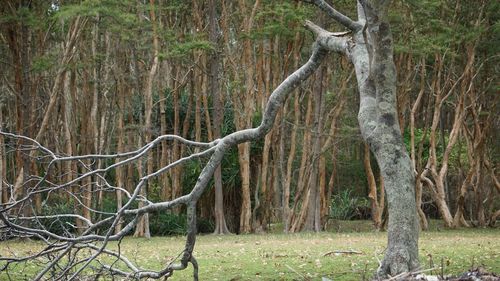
[371, 52]
[313, 219]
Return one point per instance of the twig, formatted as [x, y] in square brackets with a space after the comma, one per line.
[406, 274]
[348, 252]
[295, 271]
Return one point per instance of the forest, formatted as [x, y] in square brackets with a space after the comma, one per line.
[111, 109]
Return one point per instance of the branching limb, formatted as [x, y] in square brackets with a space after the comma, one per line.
[337, 42]
[70, 244]
[336, 15]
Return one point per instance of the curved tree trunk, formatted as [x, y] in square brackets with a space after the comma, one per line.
[371, 51]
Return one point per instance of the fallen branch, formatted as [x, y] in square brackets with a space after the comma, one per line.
[340, 252]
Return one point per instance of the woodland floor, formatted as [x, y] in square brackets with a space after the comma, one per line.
[349, 252]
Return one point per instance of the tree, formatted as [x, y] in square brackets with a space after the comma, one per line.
[370, 49]
[367, 44]
[217, 115]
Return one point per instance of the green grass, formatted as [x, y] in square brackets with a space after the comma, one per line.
[278, 256]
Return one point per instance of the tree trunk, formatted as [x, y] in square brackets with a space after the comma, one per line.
[165, 89]
[3, 167]
[217, 115]
[413, 154]
[244, 120]
[120, 147]
[246, 211]
[142, 229]
[377, 210]
[301, 192]
[313, 219]
[287, 215]
[386, 142]
[371, 52]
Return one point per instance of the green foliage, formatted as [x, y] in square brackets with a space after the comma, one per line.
[28, 17]
[186, 47]
[420, 136]
[350, 171]
[61, 225]
[458, 154]
[43, 63]
[166, 223]
[284, 18]
[161, 223]
[432, 26]
[345, 206]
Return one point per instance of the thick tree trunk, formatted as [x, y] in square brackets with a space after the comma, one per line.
[371, 52]
[387, 145]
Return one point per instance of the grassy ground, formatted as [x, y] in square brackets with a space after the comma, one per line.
[278, 256]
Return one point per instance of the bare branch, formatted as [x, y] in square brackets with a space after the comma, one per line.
[336, 15]
[337, 42]
[69, 244]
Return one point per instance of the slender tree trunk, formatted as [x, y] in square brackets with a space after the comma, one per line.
[217, 115]
[287, 216]
[142, 229]
[372, 185]
[246, 211]
[69, 93]
[413, 155]
[287, 213]
[166, 187]
[3, 166]
[313, 219]
[302, 192]
[120, 171]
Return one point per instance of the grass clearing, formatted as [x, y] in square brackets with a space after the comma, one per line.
[278, 256]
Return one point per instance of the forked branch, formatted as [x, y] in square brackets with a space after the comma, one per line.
[336, 15]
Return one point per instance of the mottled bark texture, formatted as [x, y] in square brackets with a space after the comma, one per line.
[369, 46]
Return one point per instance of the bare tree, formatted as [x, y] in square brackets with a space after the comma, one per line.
[367, 44]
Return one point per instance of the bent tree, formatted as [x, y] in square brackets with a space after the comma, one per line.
[369, 46]
[70, 253]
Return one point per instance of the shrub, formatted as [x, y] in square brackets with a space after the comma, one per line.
[346, 207]
[61, 225]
